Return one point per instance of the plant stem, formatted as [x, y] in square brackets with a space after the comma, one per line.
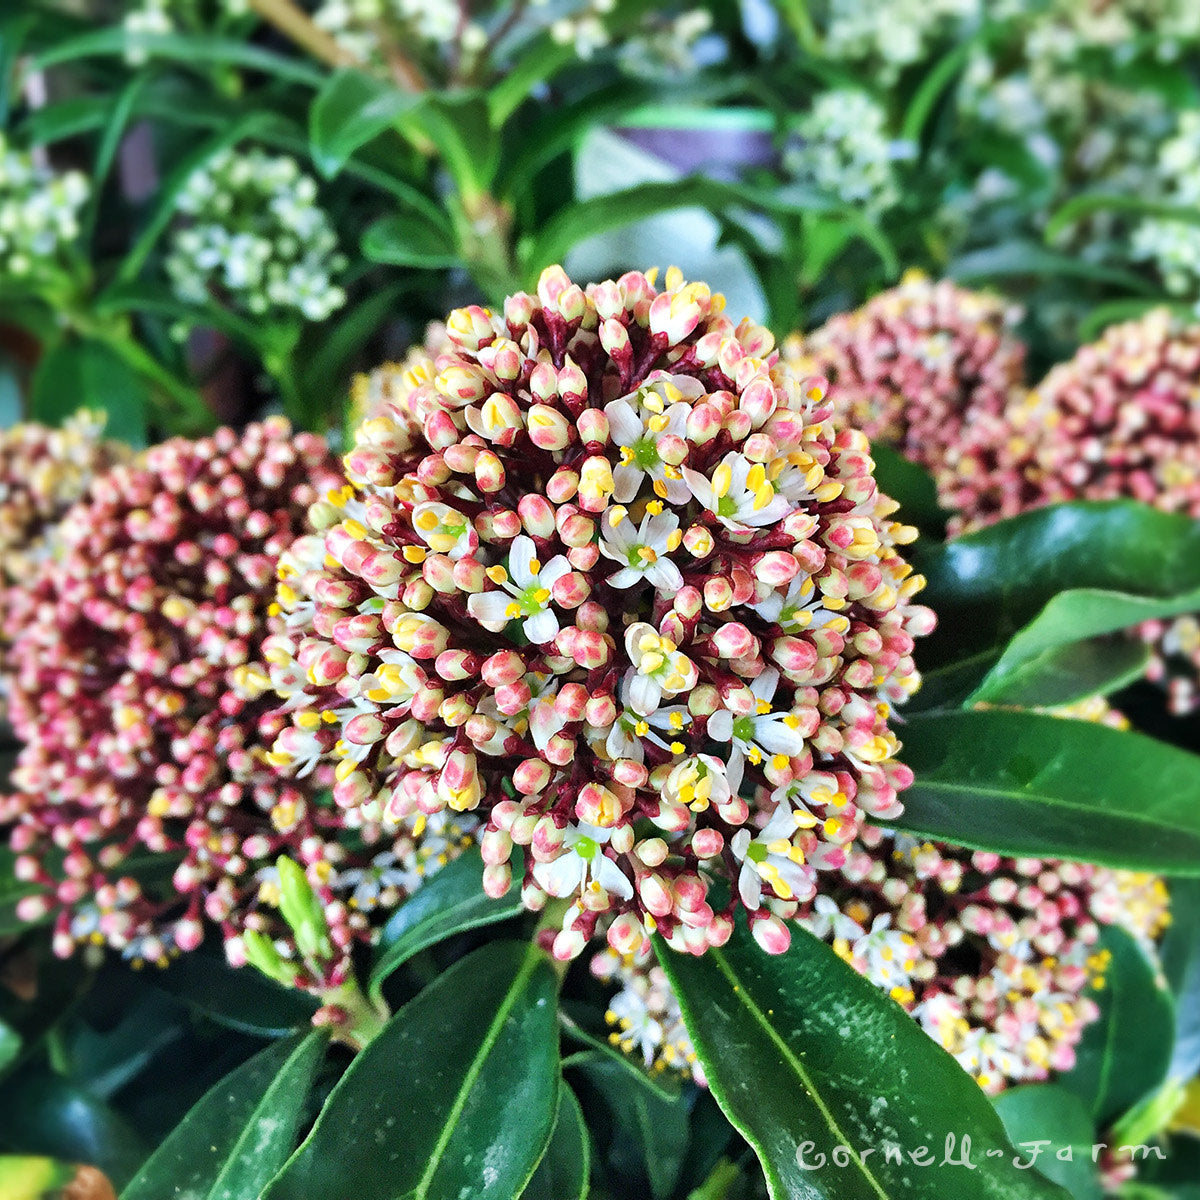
[365, 1021]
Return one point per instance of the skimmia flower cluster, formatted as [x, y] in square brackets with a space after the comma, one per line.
[1120, 419]
[39, 212]
[43, 471]
[139, 747]
[606, 576]
[256, 238]
[917, 366]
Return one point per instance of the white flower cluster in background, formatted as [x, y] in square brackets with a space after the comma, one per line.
[359, 25]
[256, 238]
[892, 36]
[1174, 246]
[39, 211]
[847, 151]
[151, 17]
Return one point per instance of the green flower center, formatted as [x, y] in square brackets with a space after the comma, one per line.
[645, 453]
[587, 848]
[743, 729]
[756, 852]
[726, 506]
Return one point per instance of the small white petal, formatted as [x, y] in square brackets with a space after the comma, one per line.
[542, 627]
[489, 609]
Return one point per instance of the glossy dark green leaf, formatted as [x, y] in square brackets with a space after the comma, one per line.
[1180, 952]
[350, 109]
[805, 1056]
[44, 1114]
[649, 1134]
[410, 240]
[77, 374]
[453, 901]
[234, 1141]
[1125, 1054]
[1052, 1116]
[1054, 659]
[1023, 783]
[456, 1097]
[987, 585]
[240, 998]
[563, 1172]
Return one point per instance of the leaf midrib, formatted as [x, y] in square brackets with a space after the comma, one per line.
[262, 1106]
[809, 1084]
[449, 1127]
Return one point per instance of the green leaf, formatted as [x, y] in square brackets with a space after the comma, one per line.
[350, 109]
[987, 585]
[459, 125]
[238, 1136]
[542, 59]
[114, 131]
[455, 1097]
[410, 240]
[453, 901]
[13, 30]
[191, 50]
[805, 1055]
[86, 374]
[42, 1113]
[1024, 783]
[1033, 668]
[1125, 1054]
[1180, 953]
[1016, 258]
[1047, 1113]
[563, 1172]
[239, 998]
[10, 1046]
[1083, 205]
[650, 1134]
[937, 79]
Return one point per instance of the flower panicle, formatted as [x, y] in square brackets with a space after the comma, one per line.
[606, 578]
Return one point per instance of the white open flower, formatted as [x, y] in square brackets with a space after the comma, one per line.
[739, 494]
[643, 426]
[526, 588]
[445, 530]
[583, 864]
[643, 551]
[773, 858]
[630, 732]
[658, 668]
[763, 732]
[800, 607]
